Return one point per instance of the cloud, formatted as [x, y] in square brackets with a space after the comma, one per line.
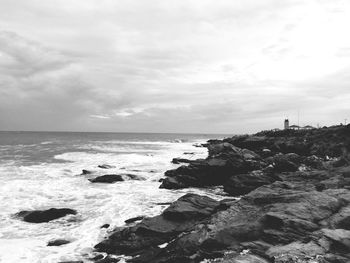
[172, 66]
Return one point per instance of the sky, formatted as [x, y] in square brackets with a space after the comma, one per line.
[190, 66]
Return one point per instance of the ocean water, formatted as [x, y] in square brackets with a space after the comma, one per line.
[40, 170]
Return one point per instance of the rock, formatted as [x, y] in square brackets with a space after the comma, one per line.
[106, 166]
[85, 172]
[105, 226]
[181, 160]
[107, 178]
[181, 216]
[295, 205]
[112, 178]
[241, 184]
[295, 251]
[244, 258]
[164, 203]
[340, 238]
[189, 207]
[78, 261]
[107, 259]
[57, 242]
[134, 219]
[41, 216]
[286, 162]
[224, 161]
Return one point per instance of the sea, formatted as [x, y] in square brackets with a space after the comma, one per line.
[41, 170]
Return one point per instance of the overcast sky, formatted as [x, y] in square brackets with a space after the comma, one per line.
[207, 66]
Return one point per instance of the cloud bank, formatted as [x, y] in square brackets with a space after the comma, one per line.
[173, 66]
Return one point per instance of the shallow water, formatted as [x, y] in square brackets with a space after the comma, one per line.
[42, 170]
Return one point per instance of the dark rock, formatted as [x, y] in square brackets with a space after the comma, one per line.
[105, 226]
[85, 172]
[339, 237]
[57, 242]
[134, 219]
[164, 203]
[182, 160]
[78, 261]
[41, 216]
[106, 166]
[286, 162]
[181, 216]
[224, 161]
[241, 184]
[108, 259]
[107, 178]
[112, 178]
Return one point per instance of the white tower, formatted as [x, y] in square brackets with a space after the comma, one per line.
[286, 124]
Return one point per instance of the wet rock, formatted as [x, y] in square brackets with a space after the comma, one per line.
[286, 162]
[107, 178]
[134, 219]
[107, 259]
[339, 237]
[181, 216]
[106, 166]
[296, 251]
[86, 172]
[58, 242]
[244, 258]
[181, 160]
[241, 184]
[41, 216]
[224, 161]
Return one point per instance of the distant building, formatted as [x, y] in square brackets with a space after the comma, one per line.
[308, 127]
[294, 127]
[286, 124]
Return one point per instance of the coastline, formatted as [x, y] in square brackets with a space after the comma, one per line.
[294, 205]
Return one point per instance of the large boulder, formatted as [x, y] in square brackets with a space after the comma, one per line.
[106, 166]
[224, 161]
[147, 235]
[41, 216]
[112, 178]
[242, 184]
[107, 178]
[269, 221]
[58, 242]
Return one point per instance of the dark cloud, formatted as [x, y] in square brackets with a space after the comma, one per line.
[172, 66]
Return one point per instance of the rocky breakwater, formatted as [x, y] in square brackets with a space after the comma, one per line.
[294, 205]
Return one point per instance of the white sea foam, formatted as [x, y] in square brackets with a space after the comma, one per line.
[49, 185]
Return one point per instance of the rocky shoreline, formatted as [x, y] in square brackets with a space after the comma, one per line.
[294, 205]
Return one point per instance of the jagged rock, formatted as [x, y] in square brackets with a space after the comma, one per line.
[295, 251]
[57, 242]
[41, 216]
[85, 172]
[182, 160]
[241, 184]
[224, 160]
[339, 237]
[134, 219]
[245, 258]
[106, 166]
[107, 178]
[289, 214]
[181, 216]
[112, 178]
